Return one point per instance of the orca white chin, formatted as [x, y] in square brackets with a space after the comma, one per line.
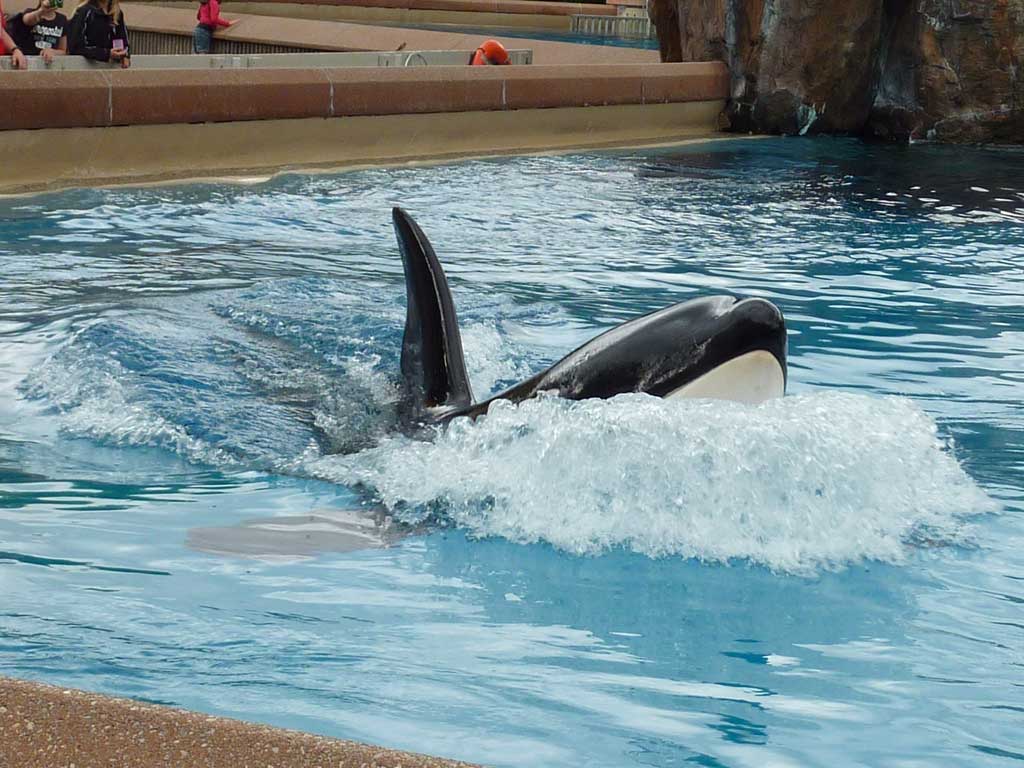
[750, 378]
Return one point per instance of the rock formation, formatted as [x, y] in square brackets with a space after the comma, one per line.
[943, 69]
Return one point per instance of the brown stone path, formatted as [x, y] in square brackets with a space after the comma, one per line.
[342, 36]
[46, 727]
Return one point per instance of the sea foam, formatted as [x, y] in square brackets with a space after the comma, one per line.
[95, 399]
[799, 484]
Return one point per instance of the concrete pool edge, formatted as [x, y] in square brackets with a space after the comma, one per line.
[42, 724]
[54, 159]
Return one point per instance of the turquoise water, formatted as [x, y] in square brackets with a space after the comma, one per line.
[836, 578]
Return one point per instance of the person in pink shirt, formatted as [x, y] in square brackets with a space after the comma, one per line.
[7, 45]
[209, 19]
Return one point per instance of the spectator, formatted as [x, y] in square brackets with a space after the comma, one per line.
[209, 19]
[7, 45]
[489, 52]
[41, 31]
[98, 32]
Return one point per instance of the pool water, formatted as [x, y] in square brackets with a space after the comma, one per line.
[836, 578]
[548, 35]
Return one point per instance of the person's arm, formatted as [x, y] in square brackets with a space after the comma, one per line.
[31, 18]
[215, 19]
[122, 32]
[18, 59]
[60, 49]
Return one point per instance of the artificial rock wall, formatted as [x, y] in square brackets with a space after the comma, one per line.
[944, 69]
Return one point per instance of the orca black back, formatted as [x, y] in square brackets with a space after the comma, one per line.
[713, 346]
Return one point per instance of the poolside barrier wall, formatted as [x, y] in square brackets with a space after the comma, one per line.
[300, 60]
[113, 97]
[137, 126]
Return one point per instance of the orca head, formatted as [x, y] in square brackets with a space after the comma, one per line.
[739, 353]
[717, 346]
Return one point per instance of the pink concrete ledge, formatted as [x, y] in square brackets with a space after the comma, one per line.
[342, 36]
[39, 99]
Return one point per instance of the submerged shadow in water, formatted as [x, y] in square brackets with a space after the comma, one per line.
[297, 537]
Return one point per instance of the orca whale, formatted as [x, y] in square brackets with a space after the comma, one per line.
[714, 347]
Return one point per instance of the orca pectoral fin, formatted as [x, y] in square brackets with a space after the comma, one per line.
[433, 368]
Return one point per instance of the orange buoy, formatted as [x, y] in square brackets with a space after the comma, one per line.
[489, 52]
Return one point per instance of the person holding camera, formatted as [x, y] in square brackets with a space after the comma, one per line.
[98, 32]
[7, 45]
[41, 31]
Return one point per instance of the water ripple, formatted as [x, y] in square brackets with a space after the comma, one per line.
[183, 357]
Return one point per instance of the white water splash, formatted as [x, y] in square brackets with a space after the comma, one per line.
[491, 358]
[798, 484]
[95, 400]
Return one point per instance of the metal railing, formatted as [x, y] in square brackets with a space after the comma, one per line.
[153, 43]
[147, 42]
[303, 60]
[630, 27]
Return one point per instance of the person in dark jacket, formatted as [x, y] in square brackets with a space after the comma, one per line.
[98, 32]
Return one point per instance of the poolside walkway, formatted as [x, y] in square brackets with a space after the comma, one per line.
[513, 7]
[344, 36]
[41, 725]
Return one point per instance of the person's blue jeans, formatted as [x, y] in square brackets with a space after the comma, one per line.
[202, 39]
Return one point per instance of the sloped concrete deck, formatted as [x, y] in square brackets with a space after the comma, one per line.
[521, 14]
[342, 36]
[520, 7]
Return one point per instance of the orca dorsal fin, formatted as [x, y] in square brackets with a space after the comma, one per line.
[433, 368]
